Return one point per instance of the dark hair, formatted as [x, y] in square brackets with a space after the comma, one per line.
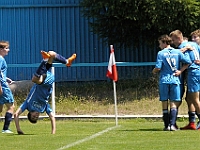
[165, 39]
[29, 118]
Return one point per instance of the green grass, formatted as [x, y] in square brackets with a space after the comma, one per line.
[133, 98]
[131, 134]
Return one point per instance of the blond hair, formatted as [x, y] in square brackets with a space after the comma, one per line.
[4, 44]
[196, 32]
[177, 34]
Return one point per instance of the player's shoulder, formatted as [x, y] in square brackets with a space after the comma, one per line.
[1, 58]
[177, 51]
[192, 43]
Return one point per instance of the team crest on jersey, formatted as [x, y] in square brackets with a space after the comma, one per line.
[37, 105]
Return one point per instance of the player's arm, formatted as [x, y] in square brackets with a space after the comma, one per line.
[158, 65]
[9, 81]
[188, 47]
[178, 72]
[197, 62]
[155, 70]
[16, 118]
[53, 123]
[1, 91]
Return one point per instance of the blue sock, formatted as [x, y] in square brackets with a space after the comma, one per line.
[41, 69]
[166, 117]
[60, 59]
[191, 115]
[198, 115]
[173, 116]
[48, 66]
[8, 119]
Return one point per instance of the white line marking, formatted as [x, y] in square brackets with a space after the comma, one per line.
[88, 138]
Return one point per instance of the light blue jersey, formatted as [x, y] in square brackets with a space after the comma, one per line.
[38, 97]
[168, 61]
[193, 77]
[194, 55]
[7, 96]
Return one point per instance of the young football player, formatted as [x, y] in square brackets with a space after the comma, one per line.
[168, 65]
[37, 100]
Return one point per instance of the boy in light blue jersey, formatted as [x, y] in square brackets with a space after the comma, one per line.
[168, 65]
[193, 78]
[6, 96]
[37, 100]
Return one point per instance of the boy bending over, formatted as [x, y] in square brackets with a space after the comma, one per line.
[38, 97]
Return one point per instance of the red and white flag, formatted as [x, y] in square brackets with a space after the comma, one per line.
[112, 69]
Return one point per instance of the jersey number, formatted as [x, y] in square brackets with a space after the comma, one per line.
[172, 63]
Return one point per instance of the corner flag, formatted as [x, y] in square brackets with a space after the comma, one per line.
[112, 73]
[112, 69]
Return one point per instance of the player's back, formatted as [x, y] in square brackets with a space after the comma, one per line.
[194, 55]
[170, 59]
[3, 72]
[3, 68]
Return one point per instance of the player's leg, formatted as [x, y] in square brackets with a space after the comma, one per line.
[191, 114]
[45, 65]
[165, 116]
[164, 96]
[39, 75]
[175, 101]
[173, 115]
[1, 107]
[8, 117]
[197, 107]
[191, 99]
[59, 58]
[195, 99]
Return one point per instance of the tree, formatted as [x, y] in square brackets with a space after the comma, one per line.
[125, 22]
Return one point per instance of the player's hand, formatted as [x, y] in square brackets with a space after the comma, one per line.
[197, 62]
[155, 70]
[177, 73]
[9, 81]
[189, 47]
[20, 132]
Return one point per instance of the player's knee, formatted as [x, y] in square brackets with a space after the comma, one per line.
[10, 107]
[37, 80]
[52, 54]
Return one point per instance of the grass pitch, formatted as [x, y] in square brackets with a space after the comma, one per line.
[100, 134]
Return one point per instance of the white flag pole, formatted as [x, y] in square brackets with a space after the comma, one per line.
[115, 100]
[112, 73]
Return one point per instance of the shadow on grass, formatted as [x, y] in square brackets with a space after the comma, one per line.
[22, 134]
[153, 129]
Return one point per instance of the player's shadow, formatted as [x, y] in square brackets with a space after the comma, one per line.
[23, 134]
[152, 129]
[19, 134]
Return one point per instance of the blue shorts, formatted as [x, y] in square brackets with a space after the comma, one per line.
[170, 92]
[6, 97]
[193, 83]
